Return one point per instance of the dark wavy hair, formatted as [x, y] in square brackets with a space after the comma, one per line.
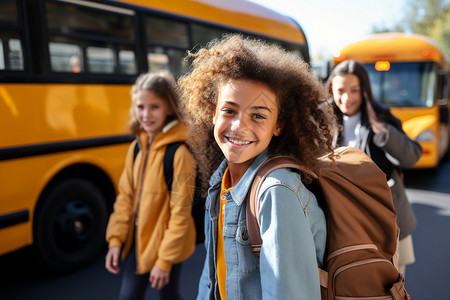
[356, 68]
[164, 86]
[306, 132]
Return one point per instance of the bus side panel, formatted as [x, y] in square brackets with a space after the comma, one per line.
[414, 122]
[61, 112]
[15, 237]
[36, 115]
[23, 181]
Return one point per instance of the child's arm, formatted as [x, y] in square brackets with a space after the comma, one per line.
[288, 260]
[404, 151]
[399, 148]
[112, 260]
[158, 278]
[119, 221]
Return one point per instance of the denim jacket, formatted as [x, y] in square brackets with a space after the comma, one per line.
[293, 231]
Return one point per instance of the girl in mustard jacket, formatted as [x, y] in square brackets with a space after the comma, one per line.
[154, 229]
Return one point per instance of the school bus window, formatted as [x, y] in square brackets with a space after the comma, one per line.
[100, 60]
[2, 56]
[166, 32]
[127, 62]
[157, 62]
[65, 57]
[160, 58]
[428, 83]
[202, 34]
[443, 87]
[296, 53]
[405, 85]
[15, 54]
[293, 48]
[70, 19]
[177, 62]
[8, 12]
[11, 54]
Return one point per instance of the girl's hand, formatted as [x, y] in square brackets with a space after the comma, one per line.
[158, 278]
[112, 260]
[377, 126]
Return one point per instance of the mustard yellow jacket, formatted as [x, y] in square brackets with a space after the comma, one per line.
[165, 227]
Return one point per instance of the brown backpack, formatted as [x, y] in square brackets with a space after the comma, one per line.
[362, 233]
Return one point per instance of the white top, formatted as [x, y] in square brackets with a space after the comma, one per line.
[352, 125]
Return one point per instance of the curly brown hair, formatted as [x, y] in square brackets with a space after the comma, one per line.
[305, 117]
[164, 86]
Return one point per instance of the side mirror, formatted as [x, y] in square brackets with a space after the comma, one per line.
[442, 87]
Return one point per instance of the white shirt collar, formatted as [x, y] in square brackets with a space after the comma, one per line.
[169, 126]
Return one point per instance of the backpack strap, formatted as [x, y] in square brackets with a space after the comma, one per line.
[137, 148]
[398, 291]
[253, 202]
[168, 163]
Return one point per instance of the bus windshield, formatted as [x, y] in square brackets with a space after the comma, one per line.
[404, 84]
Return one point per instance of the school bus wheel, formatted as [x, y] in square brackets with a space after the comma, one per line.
[70, 225]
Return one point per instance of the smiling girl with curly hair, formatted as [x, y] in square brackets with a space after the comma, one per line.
[246, 101]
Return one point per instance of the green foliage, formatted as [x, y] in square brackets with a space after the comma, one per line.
[384, 28]
[440, 31]
[427, 17]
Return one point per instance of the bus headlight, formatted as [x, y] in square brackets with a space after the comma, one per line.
[425, 136]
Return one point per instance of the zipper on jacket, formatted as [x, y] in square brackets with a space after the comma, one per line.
[141, 187]
[136, 241]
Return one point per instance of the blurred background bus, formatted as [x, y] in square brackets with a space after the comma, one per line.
[410, 74]
[66, 68]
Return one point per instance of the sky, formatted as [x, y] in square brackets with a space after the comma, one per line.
[332, 24]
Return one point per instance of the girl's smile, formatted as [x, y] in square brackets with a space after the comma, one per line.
[347, 94]
[245, 120]
[238, 142]
[151, 111]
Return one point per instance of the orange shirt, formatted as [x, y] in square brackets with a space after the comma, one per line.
[221, 265]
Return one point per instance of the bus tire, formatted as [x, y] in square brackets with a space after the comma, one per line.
[69, 225]
[447, 153]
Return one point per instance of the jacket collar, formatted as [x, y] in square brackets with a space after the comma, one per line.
[172, 132]
[239, 192]
[169, 126]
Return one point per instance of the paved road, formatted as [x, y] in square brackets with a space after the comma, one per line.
[428, 278]
[21, 279]
[429, 192]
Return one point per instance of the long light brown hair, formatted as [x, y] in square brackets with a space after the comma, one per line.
[164, 86]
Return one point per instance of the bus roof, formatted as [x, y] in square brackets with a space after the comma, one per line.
[394, 47]
[240, 14]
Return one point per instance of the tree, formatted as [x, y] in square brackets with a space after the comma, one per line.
[440, 31]
[427, 17]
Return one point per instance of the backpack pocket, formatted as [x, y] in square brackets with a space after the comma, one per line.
[362, 274]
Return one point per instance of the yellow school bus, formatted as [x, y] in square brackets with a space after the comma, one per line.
[66, 69]
[410, 74]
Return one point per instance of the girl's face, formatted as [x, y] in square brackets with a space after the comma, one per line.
[151, 111]
[347, 93]
[245, 120]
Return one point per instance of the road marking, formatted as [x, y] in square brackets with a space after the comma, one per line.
[436, 199]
